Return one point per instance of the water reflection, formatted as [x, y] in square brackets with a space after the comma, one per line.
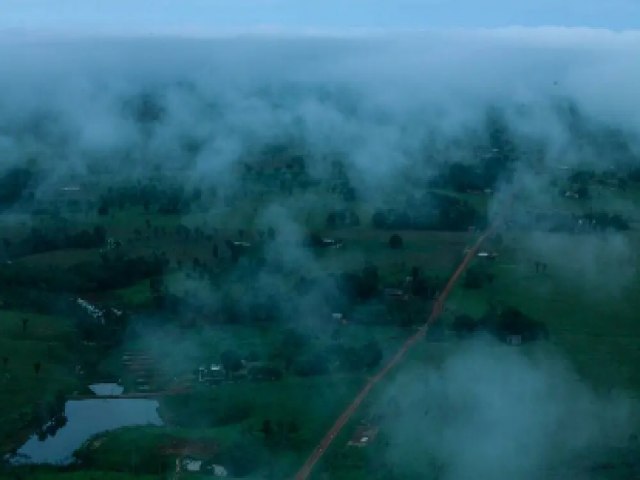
[86, 418]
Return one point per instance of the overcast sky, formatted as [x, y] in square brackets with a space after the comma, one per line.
[211, 16]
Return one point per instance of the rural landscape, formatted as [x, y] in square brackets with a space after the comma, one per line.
[212, 266]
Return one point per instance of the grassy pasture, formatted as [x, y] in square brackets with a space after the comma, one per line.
[47, 340]
[597, 325]
[312, 403]
[599, 335]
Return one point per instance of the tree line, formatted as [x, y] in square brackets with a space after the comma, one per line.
[432, 211]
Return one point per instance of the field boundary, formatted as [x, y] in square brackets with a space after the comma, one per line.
[346, 415]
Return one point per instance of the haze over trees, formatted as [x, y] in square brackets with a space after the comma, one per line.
[247, 230]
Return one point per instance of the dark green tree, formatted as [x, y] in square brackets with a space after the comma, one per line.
[464, 325]
[231, 361]
[395, 242]
[371, 354]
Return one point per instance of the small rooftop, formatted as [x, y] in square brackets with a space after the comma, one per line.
[363, 436]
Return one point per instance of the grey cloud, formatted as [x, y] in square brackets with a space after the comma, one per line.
[395, 108]
[493, 412]
[604, 264]
[385, 100]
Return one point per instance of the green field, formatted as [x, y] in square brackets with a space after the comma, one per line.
[41, 474]
[27, 396]
[591, 316]
[594, 323]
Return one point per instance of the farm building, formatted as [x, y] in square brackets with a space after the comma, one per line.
[239, 244]
[195, 457]
[191, 464]
[331, 243]
[214, 373]
[396, 293]
[363, 436]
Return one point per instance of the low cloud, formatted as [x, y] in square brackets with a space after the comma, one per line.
[493, 412]
[603, 264]
[381, 102]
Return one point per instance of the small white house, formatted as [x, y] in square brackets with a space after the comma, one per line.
[92, 310]
[489, 255]
[242, 244]
[331, 243]
[219, 471]
[214, 372]
[191, 464]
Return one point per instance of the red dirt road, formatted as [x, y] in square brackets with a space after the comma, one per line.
[318, 452]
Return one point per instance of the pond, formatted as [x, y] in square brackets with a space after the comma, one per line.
[85, 418]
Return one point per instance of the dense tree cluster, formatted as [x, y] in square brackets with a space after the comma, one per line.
[495, 157]
[13, 184]
[167, 199]
[462, 178]
[265, 372]
[39, 240]
[559, 222]
[293, 344]
[297, 355]
[107, 331]
[117, 271]
[601, 221]
[634, 174]
[315, 363]
[505, 325]
[421, 286]
[281, 166]
[430, 212]
[231, 361]
[49, 417]
[362, 285]
[348, 358]
[237, 250]
[357, 359]
[342, 218]
[111, 272]
[145, 108]
[395, 242]
[464, 325]
[477, 276]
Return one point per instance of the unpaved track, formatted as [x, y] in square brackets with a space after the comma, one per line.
[333, 432]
